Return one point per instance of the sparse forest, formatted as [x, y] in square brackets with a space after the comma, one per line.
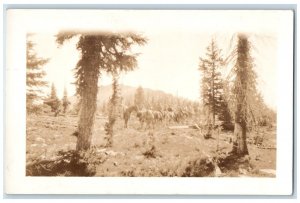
[118, 130]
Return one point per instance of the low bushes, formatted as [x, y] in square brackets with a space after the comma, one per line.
[66, 163]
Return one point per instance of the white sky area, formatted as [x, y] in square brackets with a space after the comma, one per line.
[176, 40]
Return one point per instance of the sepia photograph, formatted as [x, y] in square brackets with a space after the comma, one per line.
[151, 93]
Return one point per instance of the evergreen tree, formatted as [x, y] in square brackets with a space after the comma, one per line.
[224, 115]
[53, 100]
[211, 84]
[65, 101]
[113, 110]
[34, 75]
[100, 51]
[139, 97]
[53, 94]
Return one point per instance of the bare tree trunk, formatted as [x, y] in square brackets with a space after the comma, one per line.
[240, 128]
[87, 111]
[241, 88]
[240, 145]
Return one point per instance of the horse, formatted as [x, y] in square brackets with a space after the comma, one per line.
[167, 116]
[127, 112]
[158, 116]
[181, 115]
[146, 116]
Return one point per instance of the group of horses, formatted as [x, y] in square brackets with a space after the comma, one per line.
[148, 118]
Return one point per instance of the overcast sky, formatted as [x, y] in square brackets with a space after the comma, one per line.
[176, 40]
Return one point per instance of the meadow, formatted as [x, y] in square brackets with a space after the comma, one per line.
[167, 150]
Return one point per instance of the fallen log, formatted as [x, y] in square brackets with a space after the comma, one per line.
[195, 126]
[179, 127]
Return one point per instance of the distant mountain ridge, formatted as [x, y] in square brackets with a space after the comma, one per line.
[127, 93]
[105, 92]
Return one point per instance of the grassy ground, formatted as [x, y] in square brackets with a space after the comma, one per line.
[139, 152]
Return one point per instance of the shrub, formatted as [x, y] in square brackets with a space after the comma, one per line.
[200, 167]
[66, 163]
[233, 163]
[150, 153]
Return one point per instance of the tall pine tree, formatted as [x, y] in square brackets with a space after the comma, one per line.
[113, 110]
[211, 84]
[34, 75]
